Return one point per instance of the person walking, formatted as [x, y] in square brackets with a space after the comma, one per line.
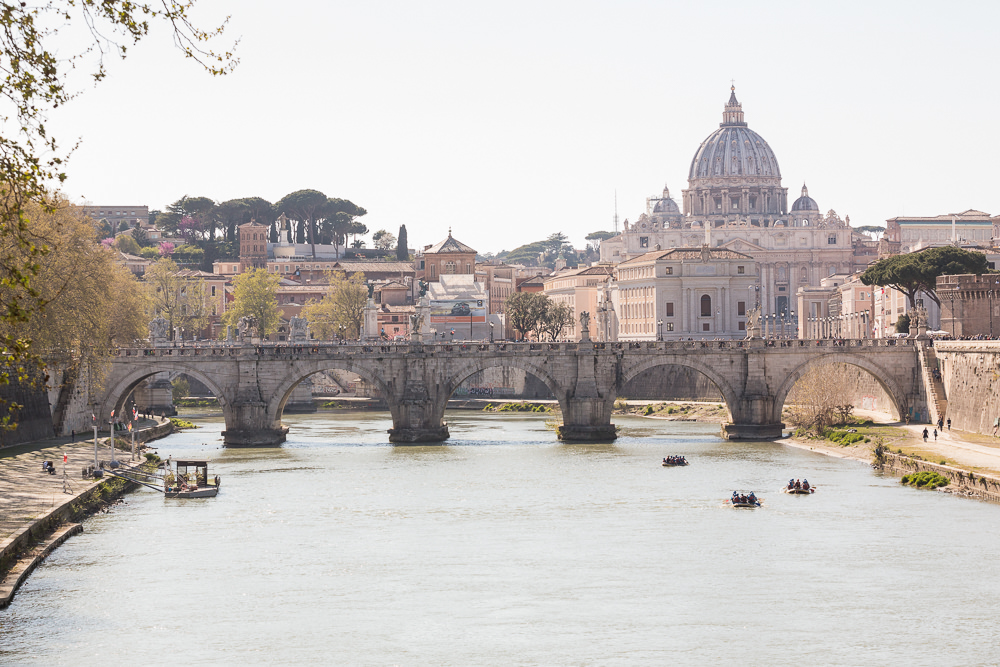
[925, 435]
[935, 435]
[949, 423]
[73, 435]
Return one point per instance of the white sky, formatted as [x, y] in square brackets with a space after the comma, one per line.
[511, 121]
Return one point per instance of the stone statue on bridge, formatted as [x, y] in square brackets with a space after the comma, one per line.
[246, 326]
[159, 331]
[584, 326]
[298, 329]
[753, 322]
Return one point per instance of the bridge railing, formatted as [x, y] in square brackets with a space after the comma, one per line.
[325, 348]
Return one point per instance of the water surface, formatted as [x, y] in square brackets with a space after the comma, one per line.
[505, 547]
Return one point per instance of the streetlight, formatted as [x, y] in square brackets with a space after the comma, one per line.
[659, 328]
[491, 332]
[791, 322]
[991, 292]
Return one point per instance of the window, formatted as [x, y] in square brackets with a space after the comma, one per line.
[668, 309]
[449, 267]
[741, 326]
[706, 327]
[832, 240]
[643, 241]
[741, 270]
[234, 269]
[741, 308]
[213, 290]
[668, 271]
[669, 326]
[706, 306]
[735, 203]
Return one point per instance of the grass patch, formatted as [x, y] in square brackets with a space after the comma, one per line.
[925, 480]
[517, 407]
[197, 402]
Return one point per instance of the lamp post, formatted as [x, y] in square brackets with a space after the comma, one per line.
[791, 322]
[491, 332]
[659, 329]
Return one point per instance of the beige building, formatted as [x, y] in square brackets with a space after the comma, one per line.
[681, 293]
[581, 290]
[970, 305]
[908, 234]
[735, 201]
[841, 307]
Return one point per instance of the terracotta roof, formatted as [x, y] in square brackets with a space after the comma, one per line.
[372, 267]
[449, 245]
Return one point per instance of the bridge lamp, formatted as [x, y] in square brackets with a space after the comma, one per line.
[659, 328]
[491, 332]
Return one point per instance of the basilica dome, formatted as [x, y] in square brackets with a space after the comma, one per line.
[734, 150]
[805, 202]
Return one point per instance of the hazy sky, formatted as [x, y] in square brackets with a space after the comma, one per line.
[510, 121]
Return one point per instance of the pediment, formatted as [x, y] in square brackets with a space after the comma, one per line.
[742, 245]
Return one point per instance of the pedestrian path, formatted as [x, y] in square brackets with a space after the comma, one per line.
[955, 448]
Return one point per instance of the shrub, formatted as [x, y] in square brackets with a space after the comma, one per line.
[648, 410]
[926, 479]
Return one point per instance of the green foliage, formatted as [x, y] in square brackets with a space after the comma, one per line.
[255, 295]
[180, 388]
[518, 407]
[149, 253]
[600, 236]
[402, 249]
[127, 244]
[903, 324]
[843, 438]
[182, 423]
[925, 480]
[648, 410]
[918, 271]
[152, 457]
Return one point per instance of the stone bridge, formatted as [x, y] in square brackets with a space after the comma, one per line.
[253, 382]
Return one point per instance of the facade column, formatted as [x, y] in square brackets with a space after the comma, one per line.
[728, 319]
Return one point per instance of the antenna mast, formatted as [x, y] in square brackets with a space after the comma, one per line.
[615, 219]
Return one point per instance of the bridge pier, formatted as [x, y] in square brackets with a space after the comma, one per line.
[419, 415]
[586, 420]
[247, 425]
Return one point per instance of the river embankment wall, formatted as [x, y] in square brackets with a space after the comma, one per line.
[962, 482]
[970, 373]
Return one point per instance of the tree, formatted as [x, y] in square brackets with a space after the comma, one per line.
[903, 324]
[139, 235]
[524, 310]
[600, 236]
[821, 397]
[36, 61]
[255, 295]
[919, 271]
[402, 249]
[179, 300]
[204, 210]
[305, 206]
[341, 221]
[89, 303]
[872, 230]
[383, 240]
[556, 318]
[126, 243]
[342, 309]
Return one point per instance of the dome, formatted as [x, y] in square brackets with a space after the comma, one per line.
[666, 204]
[805, 202]
[734, 150]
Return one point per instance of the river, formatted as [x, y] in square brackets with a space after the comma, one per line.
[505, 547]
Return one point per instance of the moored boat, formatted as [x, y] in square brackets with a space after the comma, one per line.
[190, 484]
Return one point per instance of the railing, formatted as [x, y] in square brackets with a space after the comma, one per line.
[326, 348]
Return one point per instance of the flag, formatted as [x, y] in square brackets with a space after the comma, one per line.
[65, 458]
[93, 416]
[130, 426]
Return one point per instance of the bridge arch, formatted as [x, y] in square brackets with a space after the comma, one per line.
[473, 366]
[633, 370]
[302, 369]
[882, 376]
[121, 388]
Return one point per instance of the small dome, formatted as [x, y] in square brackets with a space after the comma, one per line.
[805, 202]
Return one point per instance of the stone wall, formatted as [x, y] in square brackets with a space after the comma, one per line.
[503, 382]
[984, 487]
[868, 394]
[970, 371]
[33, 417]
[671, 383]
